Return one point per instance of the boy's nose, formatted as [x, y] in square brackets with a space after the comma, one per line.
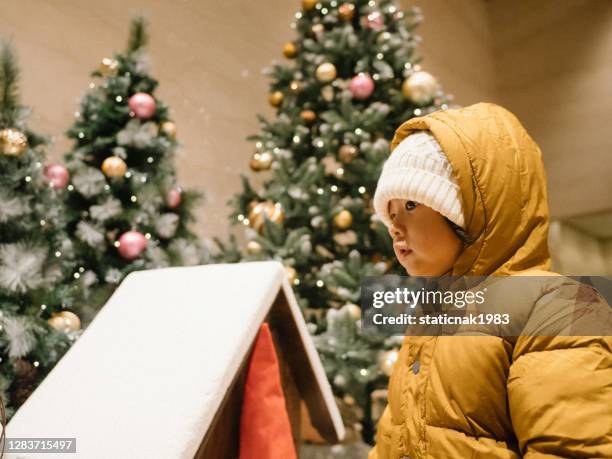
[394, 231]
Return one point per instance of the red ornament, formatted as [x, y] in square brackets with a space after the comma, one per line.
[362, 86]
[173, 198]
[57, 175]
[374, 21]
[143, 105]
[131, 244]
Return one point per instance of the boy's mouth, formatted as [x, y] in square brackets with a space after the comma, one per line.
[400, 249]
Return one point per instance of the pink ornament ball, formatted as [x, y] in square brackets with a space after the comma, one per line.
[173, 199]
[362, 86]
[131, 244]
[57, 175]
[143, 105]
[375, 21]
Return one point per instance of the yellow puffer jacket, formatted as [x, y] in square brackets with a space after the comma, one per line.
[485, 396]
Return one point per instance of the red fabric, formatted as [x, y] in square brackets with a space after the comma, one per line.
[265, 431]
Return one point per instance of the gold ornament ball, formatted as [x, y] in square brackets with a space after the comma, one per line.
[420, 87]
[13, 142]
[343, 219]
[291, 274]
[307, 5]
[261, 161]
[169, 129]
[109, 67]
[290, 50]
[254, 247]
[273, 211]
[348, 153]
[295, 87]
[114, 166]
[354, 310]
[65, 321]
[346, 11]
[326, 72]
[308, 116]
[276, 98]
[387, 360]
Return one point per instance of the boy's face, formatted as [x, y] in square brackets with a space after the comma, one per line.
[424, 243]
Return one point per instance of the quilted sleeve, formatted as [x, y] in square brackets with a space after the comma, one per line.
[560, 389]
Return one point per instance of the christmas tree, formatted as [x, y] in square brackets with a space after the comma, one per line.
[127, 212]
[37, 298]
[351, 78]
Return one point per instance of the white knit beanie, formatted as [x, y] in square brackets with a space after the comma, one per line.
[418, 170]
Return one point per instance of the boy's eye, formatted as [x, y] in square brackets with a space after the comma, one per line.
[411, 205]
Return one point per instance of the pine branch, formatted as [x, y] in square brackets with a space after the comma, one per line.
[9, 93]
[138, 34]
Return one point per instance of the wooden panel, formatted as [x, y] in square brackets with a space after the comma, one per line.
[222, 439]
[282, 322]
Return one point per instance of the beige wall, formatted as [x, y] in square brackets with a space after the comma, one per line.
[554, 66]
[575, 252]
[550, 62]
[207, 56]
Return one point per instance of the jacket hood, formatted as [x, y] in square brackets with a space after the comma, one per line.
[500, 172]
